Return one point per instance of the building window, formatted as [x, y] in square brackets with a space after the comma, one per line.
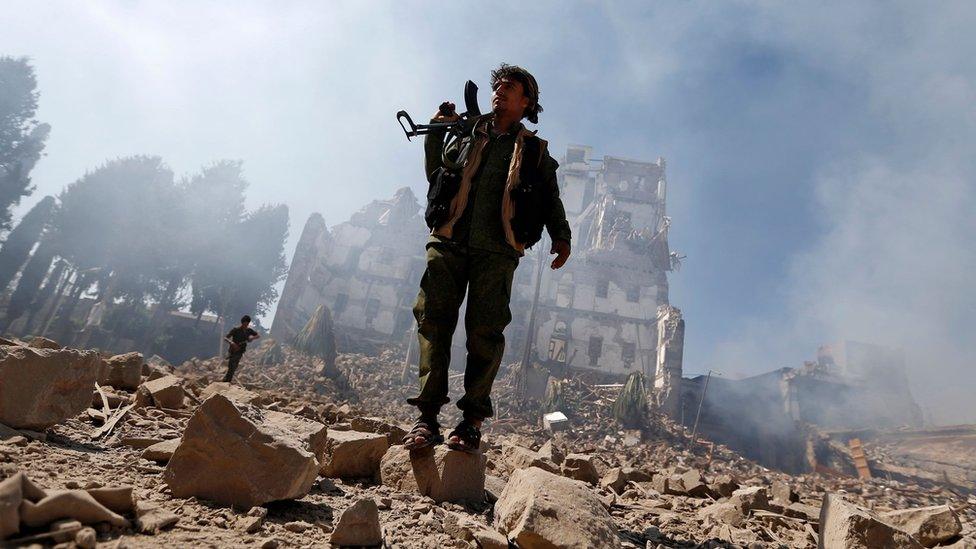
[603, 288]
[372, 308]
[633, 294]
[575, 155]
[342, 300]
[627, 353]
[595, 349]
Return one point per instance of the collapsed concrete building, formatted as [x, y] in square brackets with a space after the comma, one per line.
[365, 270]
[606, 311]
[785, 418]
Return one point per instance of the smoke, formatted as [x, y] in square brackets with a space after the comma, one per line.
[893, 257]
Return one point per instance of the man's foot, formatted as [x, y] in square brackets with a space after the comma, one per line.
[466, 437]
[425, 432]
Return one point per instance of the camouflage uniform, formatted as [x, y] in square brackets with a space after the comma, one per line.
[475, 252]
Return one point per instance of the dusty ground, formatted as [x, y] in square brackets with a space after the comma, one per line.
[69, 457]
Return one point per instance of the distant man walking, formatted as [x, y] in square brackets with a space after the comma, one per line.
[482, 218]
[238, 338]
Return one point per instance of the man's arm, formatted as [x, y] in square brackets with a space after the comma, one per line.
[434, 142]
[556, 225]
[252, 334]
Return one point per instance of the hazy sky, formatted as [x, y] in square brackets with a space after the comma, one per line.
[822, 180]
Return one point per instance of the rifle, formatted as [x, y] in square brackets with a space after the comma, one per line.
[455, 130]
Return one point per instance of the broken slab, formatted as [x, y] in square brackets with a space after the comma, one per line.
[233, 392]
[163, 392]
[734, 510]
[929, 525]
[237, 454]
[580, 467]
[122, 371]
[440, 473]
[38, 342]
[23, 503]
[517, 457]
[311, 432]
[161, 452]
[42, 387]
[359, 525]
[459, 526]
[538, 509]
[843, 524]
[690, 483]
[617, 478]
[394, 433]
[353, 454]
[555, 422]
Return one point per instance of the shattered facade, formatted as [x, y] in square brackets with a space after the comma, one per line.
[601, 312]
[366, 270]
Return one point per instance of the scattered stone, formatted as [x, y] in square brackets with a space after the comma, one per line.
[269, 543]
[233, 392]
[734, 510]
[783, 494]
[555, 422]
[164, 392]
[122, 371]
[462, 527]
[617, 478]
[522, 458]
[394, 433]
[690, 483]
[39, 342]
[236, 454]
[161, 452]
[353, 454]
[86, 538]
[152, 519]
[313, 433]
[580, 467]
[64, 530]
[438, 472]
[724, 485]
[551, 453]
[539, 509]
[842, 524]
[297, 526]
[929, 525]
[42, 387]
[359, 525]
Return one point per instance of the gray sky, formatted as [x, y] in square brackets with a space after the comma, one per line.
[819, 154]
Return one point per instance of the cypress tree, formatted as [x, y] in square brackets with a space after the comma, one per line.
[22, 238]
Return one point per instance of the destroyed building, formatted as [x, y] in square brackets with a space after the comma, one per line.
[784, 418]
[365, 270]
[606, 311]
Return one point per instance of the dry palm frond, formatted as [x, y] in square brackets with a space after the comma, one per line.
[631, 404]
[317, 339]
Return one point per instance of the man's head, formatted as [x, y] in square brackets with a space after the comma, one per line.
[515, 90]
[245, 320]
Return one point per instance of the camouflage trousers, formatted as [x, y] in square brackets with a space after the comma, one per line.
[486, 277]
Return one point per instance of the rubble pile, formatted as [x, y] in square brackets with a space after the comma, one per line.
[287, 457]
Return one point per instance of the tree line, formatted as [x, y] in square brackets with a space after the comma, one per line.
[137, 239]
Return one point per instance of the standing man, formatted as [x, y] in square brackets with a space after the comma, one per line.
[238, 338]
[482, 218]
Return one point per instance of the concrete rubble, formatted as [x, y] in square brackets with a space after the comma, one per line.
[235, 454]
[40, 387]
[202, 473]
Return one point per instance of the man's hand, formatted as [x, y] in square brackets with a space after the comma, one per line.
[446, 113]
[561, 249]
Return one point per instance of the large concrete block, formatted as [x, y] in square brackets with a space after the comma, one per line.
[240, 455]
[440, 473]
[122, 371]
[842, 524]
[42, 387]
[353, 454]
[538, 509]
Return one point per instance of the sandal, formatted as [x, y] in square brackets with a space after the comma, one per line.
[425, 432]
[468, 437]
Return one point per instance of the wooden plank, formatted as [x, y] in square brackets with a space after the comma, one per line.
[860, 460]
